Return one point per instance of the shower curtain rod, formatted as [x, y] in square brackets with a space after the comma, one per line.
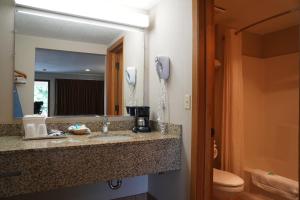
[266, 19]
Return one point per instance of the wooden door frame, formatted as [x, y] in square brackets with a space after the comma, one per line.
[202, 102]
[108, 73]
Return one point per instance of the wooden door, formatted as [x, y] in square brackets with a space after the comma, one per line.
[202, 81]
[114, 75]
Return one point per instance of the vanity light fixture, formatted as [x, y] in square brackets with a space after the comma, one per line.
[92, 9]
[73, 19]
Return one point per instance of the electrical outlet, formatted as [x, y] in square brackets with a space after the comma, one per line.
[187, 102]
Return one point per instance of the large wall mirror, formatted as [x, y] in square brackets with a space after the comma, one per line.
[67, 66]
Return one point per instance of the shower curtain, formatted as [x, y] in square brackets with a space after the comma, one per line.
[232, 111]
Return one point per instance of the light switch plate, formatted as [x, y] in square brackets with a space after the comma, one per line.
[187, 102]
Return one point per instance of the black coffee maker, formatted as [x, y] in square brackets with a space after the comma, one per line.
[141, 114]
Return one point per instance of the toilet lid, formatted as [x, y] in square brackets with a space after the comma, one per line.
[227, 179]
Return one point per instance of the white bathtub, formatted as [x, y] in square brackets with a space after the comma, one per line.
[253, 192]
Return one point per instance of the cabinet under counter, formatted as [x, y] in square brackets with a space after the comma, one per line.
[42, 165]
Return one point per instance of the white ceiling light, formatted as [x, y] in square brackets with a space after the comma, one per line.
[94, 9]
[73, 19]
[87, 70]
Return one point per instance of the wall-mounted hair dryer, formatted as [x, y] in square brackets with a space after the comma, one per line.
[130, 74]
[162, 67]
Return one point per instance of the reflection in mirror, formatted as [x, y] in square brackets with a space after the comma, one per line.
[73, 80]
[73, 66]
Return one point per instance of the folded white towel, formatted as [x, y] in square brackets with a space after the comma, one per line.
[275, 184]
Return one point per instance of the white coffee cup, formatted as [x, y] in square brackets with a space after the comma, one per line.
[30, 131]
[42, 130]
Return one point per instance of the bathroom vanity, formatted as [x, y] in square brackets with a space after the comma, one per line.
[41, 165]
[81, 70]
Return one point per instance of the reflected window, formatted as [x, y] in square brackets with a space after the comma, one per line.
[41, 97]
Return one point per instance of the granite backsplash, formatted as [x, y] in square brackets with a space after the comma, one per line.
[62, 123]
[94, 123]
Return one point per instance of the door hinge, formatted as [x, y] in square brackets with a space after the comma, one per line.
[117, 108]
[212, 132]
[118, 66]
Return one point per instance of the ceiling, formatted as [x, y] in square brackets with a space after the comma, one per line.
[66, 30]
[242, 13]
[68, 62]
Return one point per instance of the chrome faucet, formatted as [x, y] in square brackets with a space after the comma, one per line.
[105, 125]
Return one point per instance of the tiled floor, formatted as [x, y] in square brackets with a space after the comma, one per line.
[143, 196]
[251, 196]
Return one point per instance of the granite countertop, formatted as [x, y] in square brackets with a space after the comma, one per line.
[29, 166]
[9, 144]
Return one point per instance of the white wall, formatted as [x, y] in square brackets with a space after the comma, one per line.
[134, 45]
[170, 35]
[25, 60]
[6, 60]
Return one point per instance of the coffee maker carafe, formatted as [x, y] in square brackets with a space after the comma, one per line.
[141, 114]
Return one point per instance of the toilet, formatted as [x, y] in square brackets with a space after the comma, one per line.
[226, 185]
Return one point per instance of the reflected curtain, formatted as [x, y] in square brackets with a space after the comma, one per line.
[232, 111]
[79, 97]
